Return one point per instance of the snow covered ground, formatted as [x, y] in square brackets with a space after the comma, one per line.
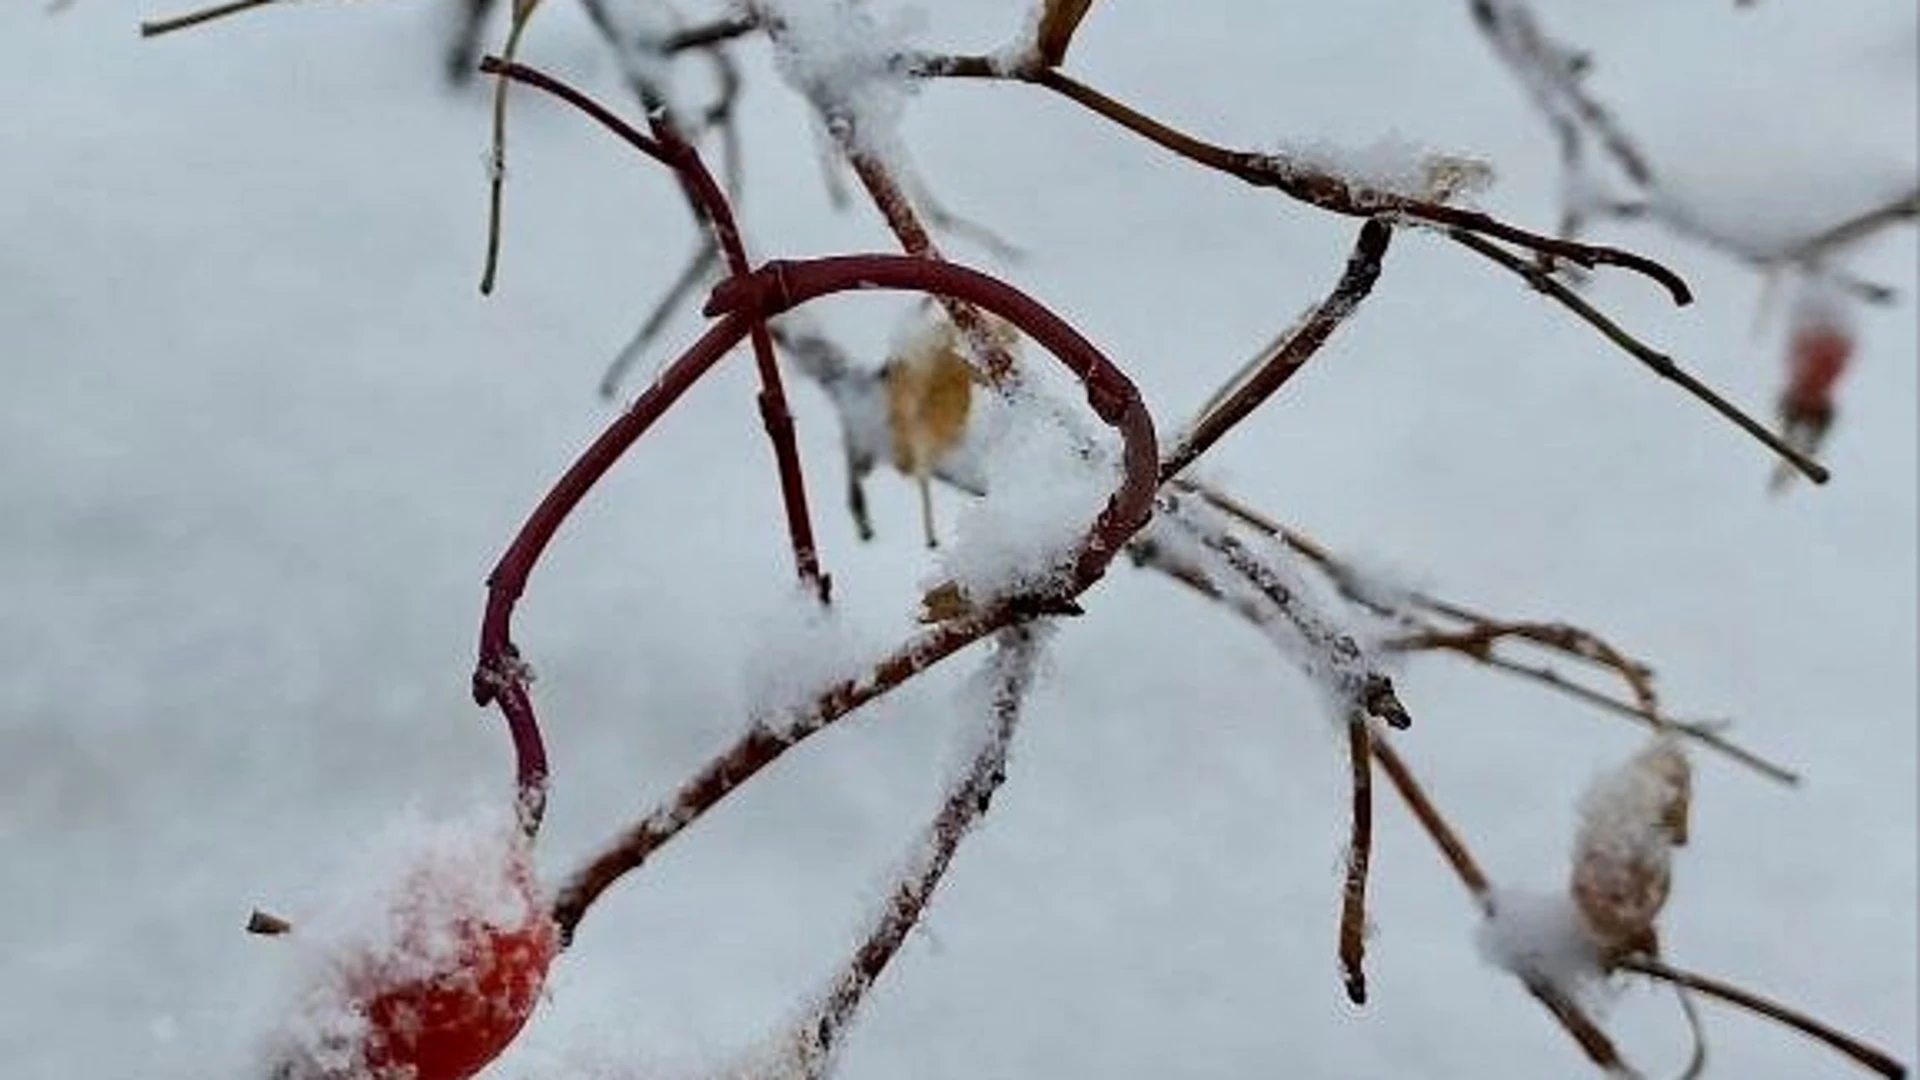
[260, 439]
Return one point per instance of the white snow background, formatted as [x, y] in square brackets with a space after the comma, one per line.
[260, 440]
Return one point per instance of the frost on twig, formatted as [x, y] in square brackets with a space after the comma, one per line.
[1002, 688]
[842, 57]
[1391, 166]
[1199, 546]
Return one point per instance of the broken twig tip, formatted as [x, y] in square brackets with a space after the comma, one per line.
[267, 925]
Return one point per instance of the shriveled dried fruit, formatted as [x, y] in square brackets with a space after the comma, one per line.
[1630, 821]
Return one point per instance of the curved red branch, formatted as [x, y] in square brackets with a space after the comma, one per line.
[780, 286]
[668, 147]
[500, 676]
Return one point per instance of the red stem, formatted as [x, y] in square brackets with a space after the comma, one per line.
[774, 288]
[668, 147]
[744, 302]
[500, 677]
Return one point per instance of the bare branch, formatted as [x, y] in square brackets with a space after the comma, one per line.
[1012, 669]
[1660, 363]
[1353, 895]
[157, 27]
[1302, 181]
[1290, 352]
[1868, 1057]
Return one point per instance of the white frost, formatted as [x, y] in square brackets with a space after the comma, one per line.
[1045, 487]
[1395, 166]
[800, 648]
[846, 61]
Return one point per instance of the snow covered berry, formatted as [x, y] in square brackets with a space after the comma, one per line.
[434, 978]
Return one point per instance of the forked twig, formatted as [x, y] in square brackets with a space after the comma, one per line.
[1553, 76]
[1476, 636]
[1867, 1056]
[1297, 179]
[1658, 362]
[1333, 654]
[667, 147]
[740, 303]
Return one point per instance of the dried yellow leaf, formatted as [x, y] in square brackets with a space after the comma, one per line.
[944, 603]
[929, 386]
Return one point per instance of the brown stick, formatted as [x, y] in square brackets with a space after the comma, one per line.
[1293, 351]
[1658, 362]
[1598, 1047]
[1296, 179]
[1013, 664]
[1353, 897]
[156, 27]
[1867, 1056]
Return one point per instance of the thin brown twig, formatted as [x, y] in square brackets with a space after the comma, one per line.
[1310, 185]
[1702, 732]
[1905, 207]
[497, 153]
[707, 35]
[1344, 578]
[717, 114]
[1292, 351]
[1551, 74]
[668, 146]
[1012, 669]
[1658, 362]
[1353, 894]
[1591, 1039]
[890, 197]
[156, 27]
[1869, 1057]
[705, 257]
[1480, 636]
